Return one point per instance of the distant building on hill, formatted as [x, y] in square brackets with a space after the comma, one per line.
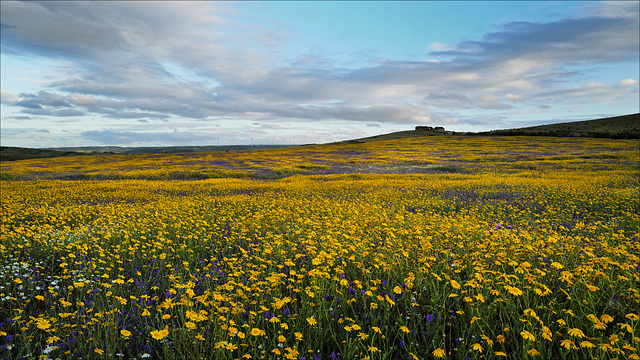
[430, 128]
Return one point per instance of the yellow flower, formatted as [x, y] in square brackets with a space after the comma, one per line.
[454, 284]
[146, 313]
[500, 353]
[626, 327]
[477, 347]
[50, 339]
[99, 351]
[628, 347]
[362, 335]
[44, 324]
[257, 332]
[160, 334]
[576, 332]
[397, 290]
[376, 329]
[593, 288]
[405, 329]
[630, 316]
[533, 352]
[514, 290]
[125, 333]
[282, 339]
[587, 344]
[190, 325]
[312, 321]
[606, 318]
[605, 347]
[439, 353]
[298, 336]
[527, 335]
[566, 343]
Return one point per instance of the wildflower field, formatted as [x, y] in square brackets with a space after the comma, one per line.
[435, 247]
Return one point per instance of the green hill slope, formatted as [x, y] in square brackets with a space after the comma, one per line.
[618, 127]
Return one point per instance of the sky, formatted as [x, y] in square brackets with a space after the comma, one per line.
[165, 73]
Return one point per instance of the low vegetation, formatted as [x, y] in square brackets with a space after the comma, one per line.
[619, 127]
[419, 248]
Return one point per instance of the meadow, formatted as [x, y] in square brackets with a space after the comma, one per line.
[421, 248]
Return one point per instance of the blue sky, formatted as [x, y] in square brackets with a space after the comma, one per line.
[268, 72]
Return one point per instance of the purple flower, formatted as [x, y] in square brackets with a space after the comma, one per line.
[429, 318]
[333, 355]
[498, 226]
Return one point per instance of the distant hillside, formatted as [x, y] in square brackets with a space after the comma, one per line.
[399, 135]
[618, 127]
[9, 153]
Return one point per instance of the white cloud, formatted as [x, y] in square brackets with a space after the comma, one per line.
[80, 99]
[629, 82]
[8, 97]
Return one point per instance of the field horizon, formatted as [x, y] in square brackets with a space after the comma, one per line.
[617, 127]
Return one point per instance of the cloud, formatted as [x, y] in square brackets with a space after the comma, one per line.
[42, 100]
[629, 82]
[197, 61]
[111, 137]
[461, 101]
[82, 100]
[8, 97]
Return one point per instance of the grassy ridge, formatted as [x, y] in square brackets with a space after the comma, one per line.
[618, 127]
[10, 153]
